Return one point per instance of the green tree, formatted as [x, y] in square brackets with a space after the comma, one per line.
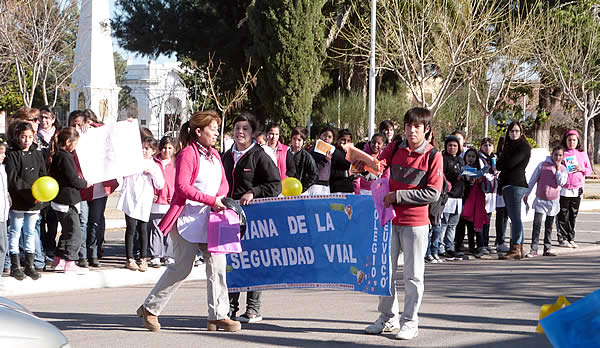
[569, 52]
[288, 43]
[188, 28]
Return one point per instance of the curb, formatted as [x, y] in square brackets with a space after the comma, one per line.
[94, 279]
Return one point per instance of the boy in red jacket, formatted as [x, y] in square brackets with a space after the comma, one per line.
[414, 183]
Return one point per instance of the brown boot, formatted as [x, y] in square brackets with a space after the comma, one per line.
[514, 253]
[150, 320]
[225, 324]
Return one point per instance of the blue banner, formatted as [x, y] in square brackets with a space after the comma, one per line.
[329, 242]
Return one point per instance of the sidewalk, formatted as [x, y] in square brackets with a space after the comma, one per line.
[113, 274]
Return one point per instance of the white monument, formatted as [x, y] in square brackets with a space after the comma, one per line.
[158, 97]
[93, 81]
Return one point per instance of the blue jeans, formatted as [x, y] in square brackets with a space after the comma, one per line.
[83, 222]
[434, 240]
[3, 243]
[26, 222]
[447, 231]
[513, 197]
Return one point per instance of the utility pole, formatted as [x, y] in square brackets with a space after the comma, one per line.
[372, 72]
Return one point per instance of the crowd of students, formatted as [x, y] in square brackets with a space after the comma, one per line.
[166, 206]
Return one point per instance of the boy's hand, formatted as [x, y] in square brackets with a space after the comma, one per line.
[389, 199]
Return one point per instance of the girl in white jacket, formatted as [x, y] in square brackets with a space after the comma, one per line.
[135, 201]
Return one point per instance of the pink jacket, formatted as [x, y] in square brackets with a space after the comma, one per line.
[474, 208]
[575, 180]
[187, 169]
[281, 154]
[165, 194]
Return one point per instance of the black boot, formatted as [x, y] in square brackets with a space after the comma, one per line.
[15, 267]
[29, 268]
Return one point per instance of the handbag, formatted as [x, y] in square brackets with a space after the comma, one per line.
[224, 232]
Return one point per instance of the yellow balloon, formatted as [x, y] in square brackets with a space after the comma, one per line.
[291, 187]
[45, 189]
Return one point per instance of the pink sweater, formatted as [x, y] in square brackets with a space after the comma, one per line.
[165, 194]
[187, 167]
[575, 180]
[281, 154]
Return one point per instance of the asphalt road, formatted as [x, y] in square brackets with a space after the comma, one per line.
[478, 303]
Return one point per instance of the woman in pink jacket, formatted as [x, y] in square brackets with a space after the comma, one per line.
[200, 184]
[578, 165]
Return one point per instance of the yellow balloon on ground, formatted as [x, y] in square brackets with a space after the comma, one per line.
[45, 189]
[291, 187]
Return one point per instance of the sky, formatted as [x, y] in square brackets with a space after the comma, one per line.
[131, 55]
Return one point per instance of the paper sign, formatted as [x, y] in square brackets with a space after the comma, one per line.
[111, 151]
[353, 154]
[571, 163]
[323, 148]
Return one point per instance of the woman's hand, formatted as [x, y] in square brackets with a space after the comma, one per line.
[246, 198]
[218, 206]
[389, 199]
[578, 168]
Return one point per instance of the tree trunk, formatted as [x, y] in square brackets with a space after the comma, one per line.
[596, 158]
[591, 136]
[586, 131]
[549, 100]
[486, 124]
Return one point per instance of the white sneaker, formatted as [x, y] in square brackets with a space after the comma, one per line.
[573, 245]
[170, 260]
[407, 332]
[502, 248]
[155, 262]
[381, 325]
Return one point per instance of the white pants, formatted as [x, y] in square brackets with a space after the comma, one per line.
[412, 242]
[184, 253]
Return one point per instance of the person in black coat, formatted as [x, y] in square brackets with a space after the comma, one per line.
[340, 179]
[66, 203]
[306, 168]
[251, 174]
[24, 165]
[453, 167]
[511, 164]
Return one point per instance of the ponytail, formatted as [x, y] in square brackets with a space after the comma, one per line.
[185, 136]
[60, 139]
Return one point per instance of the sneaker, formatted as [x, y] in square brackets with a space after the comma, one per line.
[71, 267]
[478, 254]
[550, 253]
[429, 259]
[501, 248]
[491, 250]
[573, 245]
[532, 253]
[249, 318]
[83, 263]
[484, 251]
[381, 325]
[438, 259]
[155, 263]
[132, 265]
[198, 261]
[170, 260]
[458, 254]
[143, 266]
[448, 256]
[407, 332]
[94, 262]
[564, 244]
[58, 264]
